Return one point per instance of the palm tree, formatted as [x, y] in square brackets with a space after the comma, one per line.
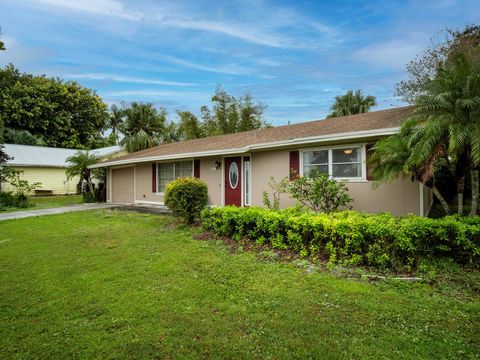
[143, 126]
[79, 164]
[352, 103]
[447, 118]
[115, 121]
[390, 159]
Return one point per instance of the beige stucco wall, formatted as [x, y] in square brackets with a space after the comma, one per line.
[51, 178]
[400, 197]
[143, 182]
[213, 178]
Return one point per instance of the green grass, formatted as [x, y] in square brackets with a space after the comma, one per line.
[109, 284]
[45, 202]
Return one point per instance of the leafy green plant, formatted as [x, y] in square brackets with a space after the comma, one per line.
[277, 188]
[350, 237]
[187, 197]
[21, 186]
[319, 192]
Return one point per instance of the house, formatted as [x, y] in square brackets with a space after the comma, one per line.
[47, 165]
[237, 167]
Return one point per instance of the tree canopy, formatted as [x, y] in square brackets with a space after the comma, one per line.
[144, 126]
[61, 114]
[229, 114]
[352, 103]
[423, 68]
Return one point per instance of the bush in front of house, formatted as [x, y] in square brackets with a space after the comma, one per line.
[187, 197]
[350, 237]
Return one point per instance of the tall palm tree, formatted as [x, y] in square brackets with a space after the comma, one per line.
[390, 159]
[115, 120]
[79, 164]
[143, 126]
[447, 118]
[352, 103]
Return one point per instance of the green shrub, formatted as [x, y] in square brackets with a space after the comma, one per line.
[187, 197]
[350, 237]
[10, 200]
[88, 197]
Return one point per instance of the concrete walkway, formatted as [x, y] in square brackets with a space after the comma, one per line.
[53, 211]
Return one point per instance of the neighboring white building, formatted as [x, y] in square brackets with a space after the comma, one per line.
[47, 165]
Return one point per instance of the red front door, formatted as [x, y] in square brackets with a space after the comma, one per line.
[233, 181]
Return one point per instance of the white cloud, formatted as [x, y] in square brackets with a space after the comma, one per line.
[222, 69]
[269, 27]
[101, 7]
[392, 54]
[128, 79]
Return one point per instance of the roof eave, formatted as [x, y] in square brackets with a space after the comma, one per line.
[262, 146]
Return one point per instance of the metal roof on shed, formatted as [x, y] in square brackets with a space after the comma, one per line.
[41, 156]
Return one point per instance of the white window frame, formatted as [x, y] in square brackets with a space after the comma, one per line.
[172, 162]
[363, 155]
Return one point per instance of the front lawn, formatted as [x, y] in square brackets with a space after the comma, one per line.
[45, 202]
[110, 284]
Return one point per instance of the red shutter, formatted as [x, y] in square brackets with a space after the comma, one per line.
[154, 177]
[294, 169]
[196, 168]
[368, 151]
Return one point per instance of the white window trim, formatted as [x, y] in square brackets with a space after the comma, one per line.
[363, 154]
[161, 193]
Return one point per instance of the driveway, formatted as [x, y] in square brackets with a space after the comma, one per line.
[53, 211]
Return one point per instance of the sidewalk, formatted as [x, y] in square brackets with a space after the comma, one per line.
[53, 211]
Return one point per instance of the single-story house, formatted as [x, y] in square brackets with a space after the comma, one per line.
[47, 165]
[237, 167]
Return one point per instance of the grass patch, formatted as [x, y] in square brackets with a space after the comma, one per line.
[46, 202]
[113, 284]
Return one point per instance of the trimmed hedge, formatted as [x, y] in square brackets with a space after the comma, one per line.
[350, 237]
[187, 197]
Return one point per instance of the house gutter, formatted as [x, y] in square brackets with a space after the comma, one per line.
[261, 146]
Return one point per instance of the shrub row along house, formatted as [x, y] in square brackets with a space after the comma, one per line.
[47, 166]
[238, 167]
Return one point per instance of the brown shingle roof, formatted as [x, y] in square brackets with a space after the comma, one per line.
[383, 119]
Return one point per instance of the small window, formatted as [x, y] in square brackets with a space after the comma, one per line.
[233, 175]
[342, 163]
[246, 181]
[168, 172]
[315, 159]
[347, 163]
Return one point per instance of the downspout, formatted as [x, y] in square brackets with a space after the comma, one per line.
[422, 197]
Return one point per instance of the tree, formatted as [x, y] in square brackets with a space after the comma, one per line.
[144, 126]
[447, 117]
[230, 115]
[4, 170]
[63, 114]
[115, 121]
[445, 46]
[79, 164]
[390, 159]
[352, 103]
[22, 137]
[190, 126]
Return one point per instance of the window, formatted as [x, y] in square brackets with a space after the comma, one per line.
[233, 175]
[341, 163]
[246, 166]
[168, 172]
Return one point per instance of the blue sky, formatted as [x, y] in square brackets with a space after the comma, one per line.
[295, 56]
